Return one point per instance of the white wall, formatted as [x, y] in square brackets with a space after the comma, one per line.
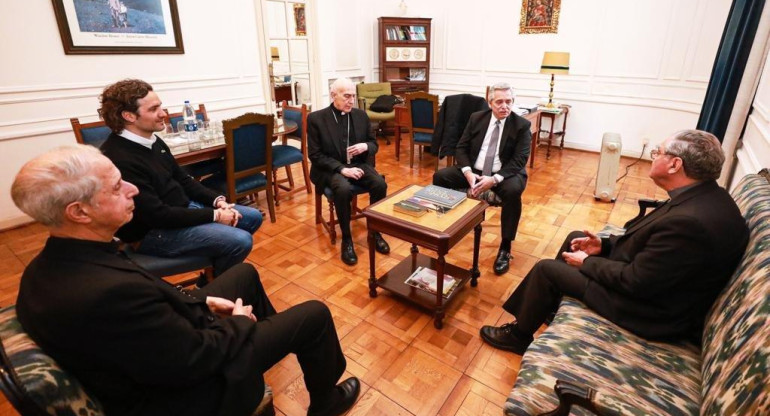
[639, 68]
[754, 153]
[41, 87]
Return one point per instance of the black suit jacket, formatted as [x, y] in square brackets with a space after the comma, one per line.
[452, 119]
[137, 343]
[514, 143]
[661, 277]
[325, 149]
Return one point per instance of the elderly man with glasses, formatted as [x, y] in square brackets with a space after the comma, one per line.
[657, 280]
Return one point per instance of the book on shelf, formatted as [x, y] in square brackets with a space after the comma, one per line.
[409, 208]
[447, 198]
[426, 279]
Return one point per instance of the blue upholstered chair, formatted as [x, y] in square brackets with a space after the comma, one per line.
[203, 168]
[249, 159]
[422, 110]
[285, 155]
[95, 134]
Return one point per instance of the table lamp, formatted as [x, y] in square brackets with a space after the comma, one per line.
[274, 54]
[554, 63]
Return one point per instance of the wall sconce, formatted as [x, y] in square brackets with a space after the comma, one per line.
[554, 63]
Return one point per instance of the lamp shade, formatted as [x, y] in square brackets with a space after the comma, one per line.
[555, 63]
[274, 54]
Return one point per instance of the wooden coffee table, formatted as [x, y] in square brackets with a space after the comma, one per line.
[431, 231]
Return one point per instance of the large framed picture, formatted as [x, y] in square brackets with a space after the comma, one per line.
[118, 26]
[539, 16]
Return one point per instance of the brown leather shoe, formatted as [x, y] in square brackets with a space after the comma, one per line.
[505, 338]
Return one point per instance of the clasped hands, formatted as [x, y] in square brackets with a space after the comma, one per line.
[479, 183]
[226, 307]
[354, 150]
[582, 247]
[226, 214]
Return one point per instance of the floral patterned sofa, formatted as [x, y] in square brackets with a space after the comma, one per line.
[36, 385]
[593, 366]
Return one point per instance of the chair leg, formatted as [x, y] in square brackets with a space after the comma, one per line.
[270, 201]
[290, 177]
[306, 174]
[318, 216]
[411, 153]
[275, 188]
[332, 222]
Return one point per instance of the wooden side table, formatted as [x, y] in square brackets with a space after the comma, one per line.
[437, 233]
[534, 129]
[552, 117]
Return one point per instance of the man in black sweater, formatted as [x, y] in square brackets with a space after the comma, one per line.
[175, 215]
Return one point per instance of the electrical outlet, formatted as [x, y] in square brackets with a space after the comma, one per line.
[645, 141]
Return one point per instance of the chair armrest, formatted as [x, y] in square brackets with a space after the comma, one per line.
[644, 204]
[573, 394]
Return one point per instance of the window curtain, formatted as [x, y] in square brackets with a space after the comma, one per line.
[730, 63]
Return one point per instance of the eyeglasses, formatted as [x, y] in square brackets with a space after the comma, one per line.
[654, 153]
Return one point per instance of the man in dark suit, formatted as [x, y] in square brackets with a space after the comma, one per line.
[140, 345]
[492, 155]
[342, 148]
[660, 278]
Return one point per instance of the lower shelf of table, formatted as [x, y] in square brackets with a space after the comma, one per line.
[393, 281]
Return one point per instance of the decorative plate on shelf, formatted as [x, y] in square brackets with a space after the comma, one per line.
[393, 54]
[419, 54]
[406, 53]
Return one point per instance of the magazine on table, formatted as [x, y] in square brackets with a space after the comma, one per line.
[425, 279]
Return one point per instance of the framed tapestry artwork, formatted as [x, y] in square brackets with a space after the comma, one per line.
[118, 26]
[539, 16]
[299, 19]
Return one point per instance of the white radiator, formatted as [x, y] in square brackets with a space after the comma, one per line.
[609, 162]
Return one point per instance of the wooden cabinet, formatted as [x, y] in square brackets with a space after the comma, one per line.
[405, 53]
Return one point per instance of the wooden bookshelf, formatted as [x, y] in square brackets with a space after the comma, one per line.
[405, 53]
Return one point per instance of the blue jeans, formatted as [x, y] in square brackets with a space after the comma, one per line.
[226, 245]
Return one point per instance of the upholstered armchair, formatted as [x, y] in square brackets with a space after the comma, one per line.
[367, 93]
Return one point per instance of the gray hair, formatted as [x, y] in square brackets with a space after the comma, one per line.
[500, 86]
[701, 153]
[340, 83]
[48, 183]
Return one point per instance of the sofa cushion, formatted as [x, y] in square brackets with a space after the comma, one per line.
[41, 378]
[736, 338]
[632, 375]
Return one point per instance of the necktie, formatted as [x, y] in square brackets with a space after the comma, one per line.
[489, 159]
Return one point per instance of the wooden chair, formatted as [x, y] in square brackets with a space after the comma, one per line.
[422, 110]
[95, 134]
[285, 155]
[248, 160]
[330, 225]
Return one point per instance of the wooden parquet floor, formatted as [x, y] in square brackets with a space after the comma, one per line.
[406, 366]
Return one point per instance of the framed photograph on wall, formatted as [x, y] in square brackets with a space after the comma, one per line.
[118, 26]
[539, 16]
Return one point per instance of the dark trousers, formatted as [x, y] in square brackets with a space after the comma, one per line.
[509, 191]
[341, 187]
[306, 330]
[539, 294]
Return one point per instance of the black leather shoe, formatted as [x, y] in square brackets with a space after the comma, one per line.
[380, 245]
[202, 281]
[505, 338]
[348, 392]
[502, 262]
[348, 254]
